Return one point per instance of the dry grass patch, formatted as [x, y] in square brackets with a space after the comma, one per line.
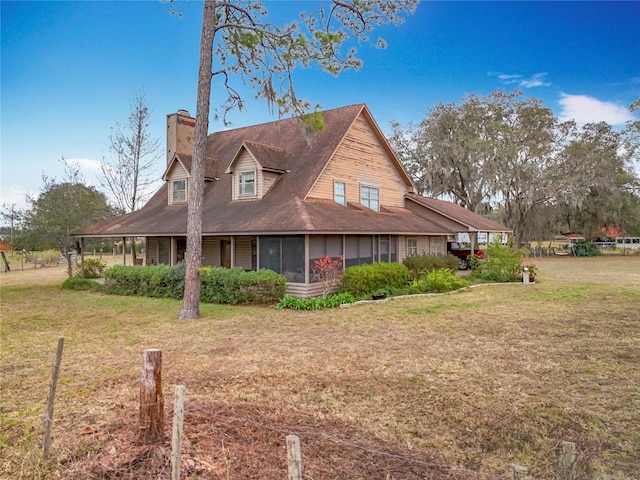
[472, 381]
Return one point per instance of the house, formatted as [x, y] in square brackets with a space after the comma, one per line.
[279, 197]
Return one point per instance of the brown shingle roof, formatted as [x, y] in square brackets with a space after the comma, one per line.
[283, 146]
[269, 157]
[460, 214]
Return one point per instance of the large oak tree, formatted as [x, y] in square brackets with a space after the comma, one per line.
[510, 155]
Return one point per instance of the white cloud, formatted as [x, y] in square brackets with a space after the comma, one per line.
[584, 109]
[14, 195]
[536, 80]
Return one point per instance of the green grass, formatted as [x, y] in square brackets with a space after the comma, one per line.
[479, 379]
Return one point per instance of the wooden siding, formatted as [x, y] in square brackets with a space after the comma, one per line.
[211, 251]
[246, 163]
[304, 290]
[243, 252]
[268, 179]
[177, 173]
[151, 252]
[362, 160]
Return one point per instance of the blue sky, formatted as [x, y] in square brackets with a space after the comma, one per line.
[70, 70]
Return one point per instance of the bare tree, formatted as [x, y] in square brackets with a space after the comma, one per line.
[128, 174]
[254, 51]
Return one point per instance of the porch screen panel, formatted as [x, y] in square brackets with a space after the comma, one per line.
[384, 248]
[351, 257]
[293, 258]
[271, 253]
[284, 255]
[164, 250]
[317, 247]
[365, 245]
[334, 246]
[393, 249]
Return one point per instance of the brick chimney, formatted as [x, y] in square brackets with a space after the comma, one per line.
[180, 132]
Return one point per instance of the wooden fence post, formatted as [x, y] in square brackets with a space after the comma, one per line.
[519, 472]
[151, 400]
[176, 436]
[48, 419]
[566, 461]
[294, 458]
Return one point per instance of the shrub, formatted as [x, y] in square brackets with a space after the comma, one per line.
[234, 285]
[94, 268]
[474, 261]
[83, 284]
[585, 248]
[218, 284]
[502, 263]
[159, 281]
[443, 280]
[295, 303]
[362, 280]
[419, 264]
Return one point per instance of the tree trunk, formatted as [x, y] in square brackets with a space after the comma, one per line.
[191, 300]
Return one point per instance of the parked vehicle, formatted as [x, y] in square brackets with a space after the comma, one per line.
[459, 250]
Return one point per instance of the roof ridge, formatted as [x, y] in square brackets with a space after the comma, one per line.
[287, 119]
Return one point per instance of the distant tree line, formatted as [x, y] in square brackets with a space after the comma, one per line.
[510, 158]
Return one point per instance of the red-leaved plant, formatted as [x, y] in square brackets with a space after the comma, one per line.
[328, 270]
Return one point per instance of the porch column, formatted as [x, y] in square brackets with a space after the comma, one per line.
[473, 237]
[82, 257]
[233, 251]
[306, 259]
[257, 252]
[124, 250]
[173, 251]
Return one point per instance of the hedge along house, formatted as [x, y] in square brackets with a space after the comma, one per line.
[280, 197]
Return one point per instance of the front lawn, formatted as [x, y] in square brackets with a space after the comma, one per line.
[454, 386]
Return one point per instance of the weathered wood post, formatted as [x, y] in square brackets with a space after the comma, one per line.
[176, 436]
[519, 472]
[48, 419]
[151, 400]
[567, 461]
[294, 458]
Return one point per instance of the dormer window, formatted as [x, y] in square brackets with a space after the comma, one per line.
[369, 197]
[340, 193]
[247, 184]
[179, 189]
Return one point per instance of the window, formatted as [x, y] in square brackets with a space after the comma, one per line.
[436, 246]
[179, 191]
[412, 246]
[340, 193]
[369, 197]
[246, 184]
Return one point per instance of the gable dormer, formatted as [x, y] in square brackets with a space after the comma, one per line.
[177, 175]
[255, 168]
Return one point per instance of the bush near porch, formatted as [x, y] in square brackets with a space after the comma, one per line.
[218, 284]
